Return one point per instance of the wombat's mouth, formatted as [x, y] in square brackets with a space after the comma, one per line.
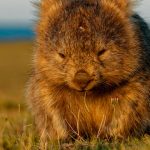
[96, 88]
[84, 87]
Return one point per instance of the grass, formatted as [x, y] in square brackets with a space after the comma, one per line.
[18, 133]
[17, 130]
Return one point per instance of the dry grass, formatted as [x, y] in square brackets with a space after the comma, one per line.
[17, 131]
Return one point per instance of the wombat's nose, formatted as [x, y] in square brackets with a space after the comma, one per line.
[82, 78]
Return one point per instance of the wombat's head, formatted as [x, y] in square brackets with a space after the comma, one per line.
[86, 43]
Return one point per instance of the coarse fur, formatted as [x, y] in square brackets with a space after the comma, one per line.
[100, 45]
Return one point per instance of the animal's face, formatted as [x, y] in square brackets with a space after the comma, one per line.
[89, 45]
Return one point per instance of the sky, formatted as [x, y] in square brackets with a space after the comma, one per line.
[16, 11]
[22, 11]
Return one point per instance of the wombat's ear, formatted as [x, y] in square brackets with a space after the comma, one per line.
[124, 5]
[50, 7]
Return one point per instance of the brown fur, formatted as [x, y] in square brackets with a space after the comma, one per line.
[115, 102]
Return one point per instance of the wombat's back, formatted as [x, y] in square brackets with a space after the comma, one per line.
[144, 36]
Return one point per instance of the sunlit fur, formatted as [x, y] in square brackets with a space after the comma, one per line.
[115, 104]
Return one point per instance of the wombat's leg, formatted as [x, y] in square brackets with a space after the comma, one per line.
[48, 118]
[130, 114]
[40, 121]
[51, 128]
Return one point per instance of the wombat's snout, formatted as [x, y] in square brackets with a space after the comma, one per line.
[82, 79]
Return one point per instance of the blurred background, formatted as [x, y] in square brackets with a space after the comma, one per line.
[16, 43]
[17, 20]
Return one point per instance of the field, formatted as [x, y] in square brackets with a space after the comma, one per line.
[17, 129]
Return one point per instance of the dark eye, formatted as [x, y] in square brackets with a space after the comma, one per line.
[101, 52]
[62, 55]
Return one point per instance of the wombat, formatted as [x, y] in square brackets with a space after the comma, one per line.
[91, 70]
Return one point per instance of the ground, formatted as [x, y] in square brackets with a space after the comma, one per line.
[17, 129]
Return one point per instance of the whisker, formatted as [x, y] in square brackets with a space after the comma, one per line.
[85, 102]
[101, 125]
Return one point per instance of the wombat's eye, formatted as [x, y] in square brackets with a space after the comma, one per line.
[62, 55]
[101, 52]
